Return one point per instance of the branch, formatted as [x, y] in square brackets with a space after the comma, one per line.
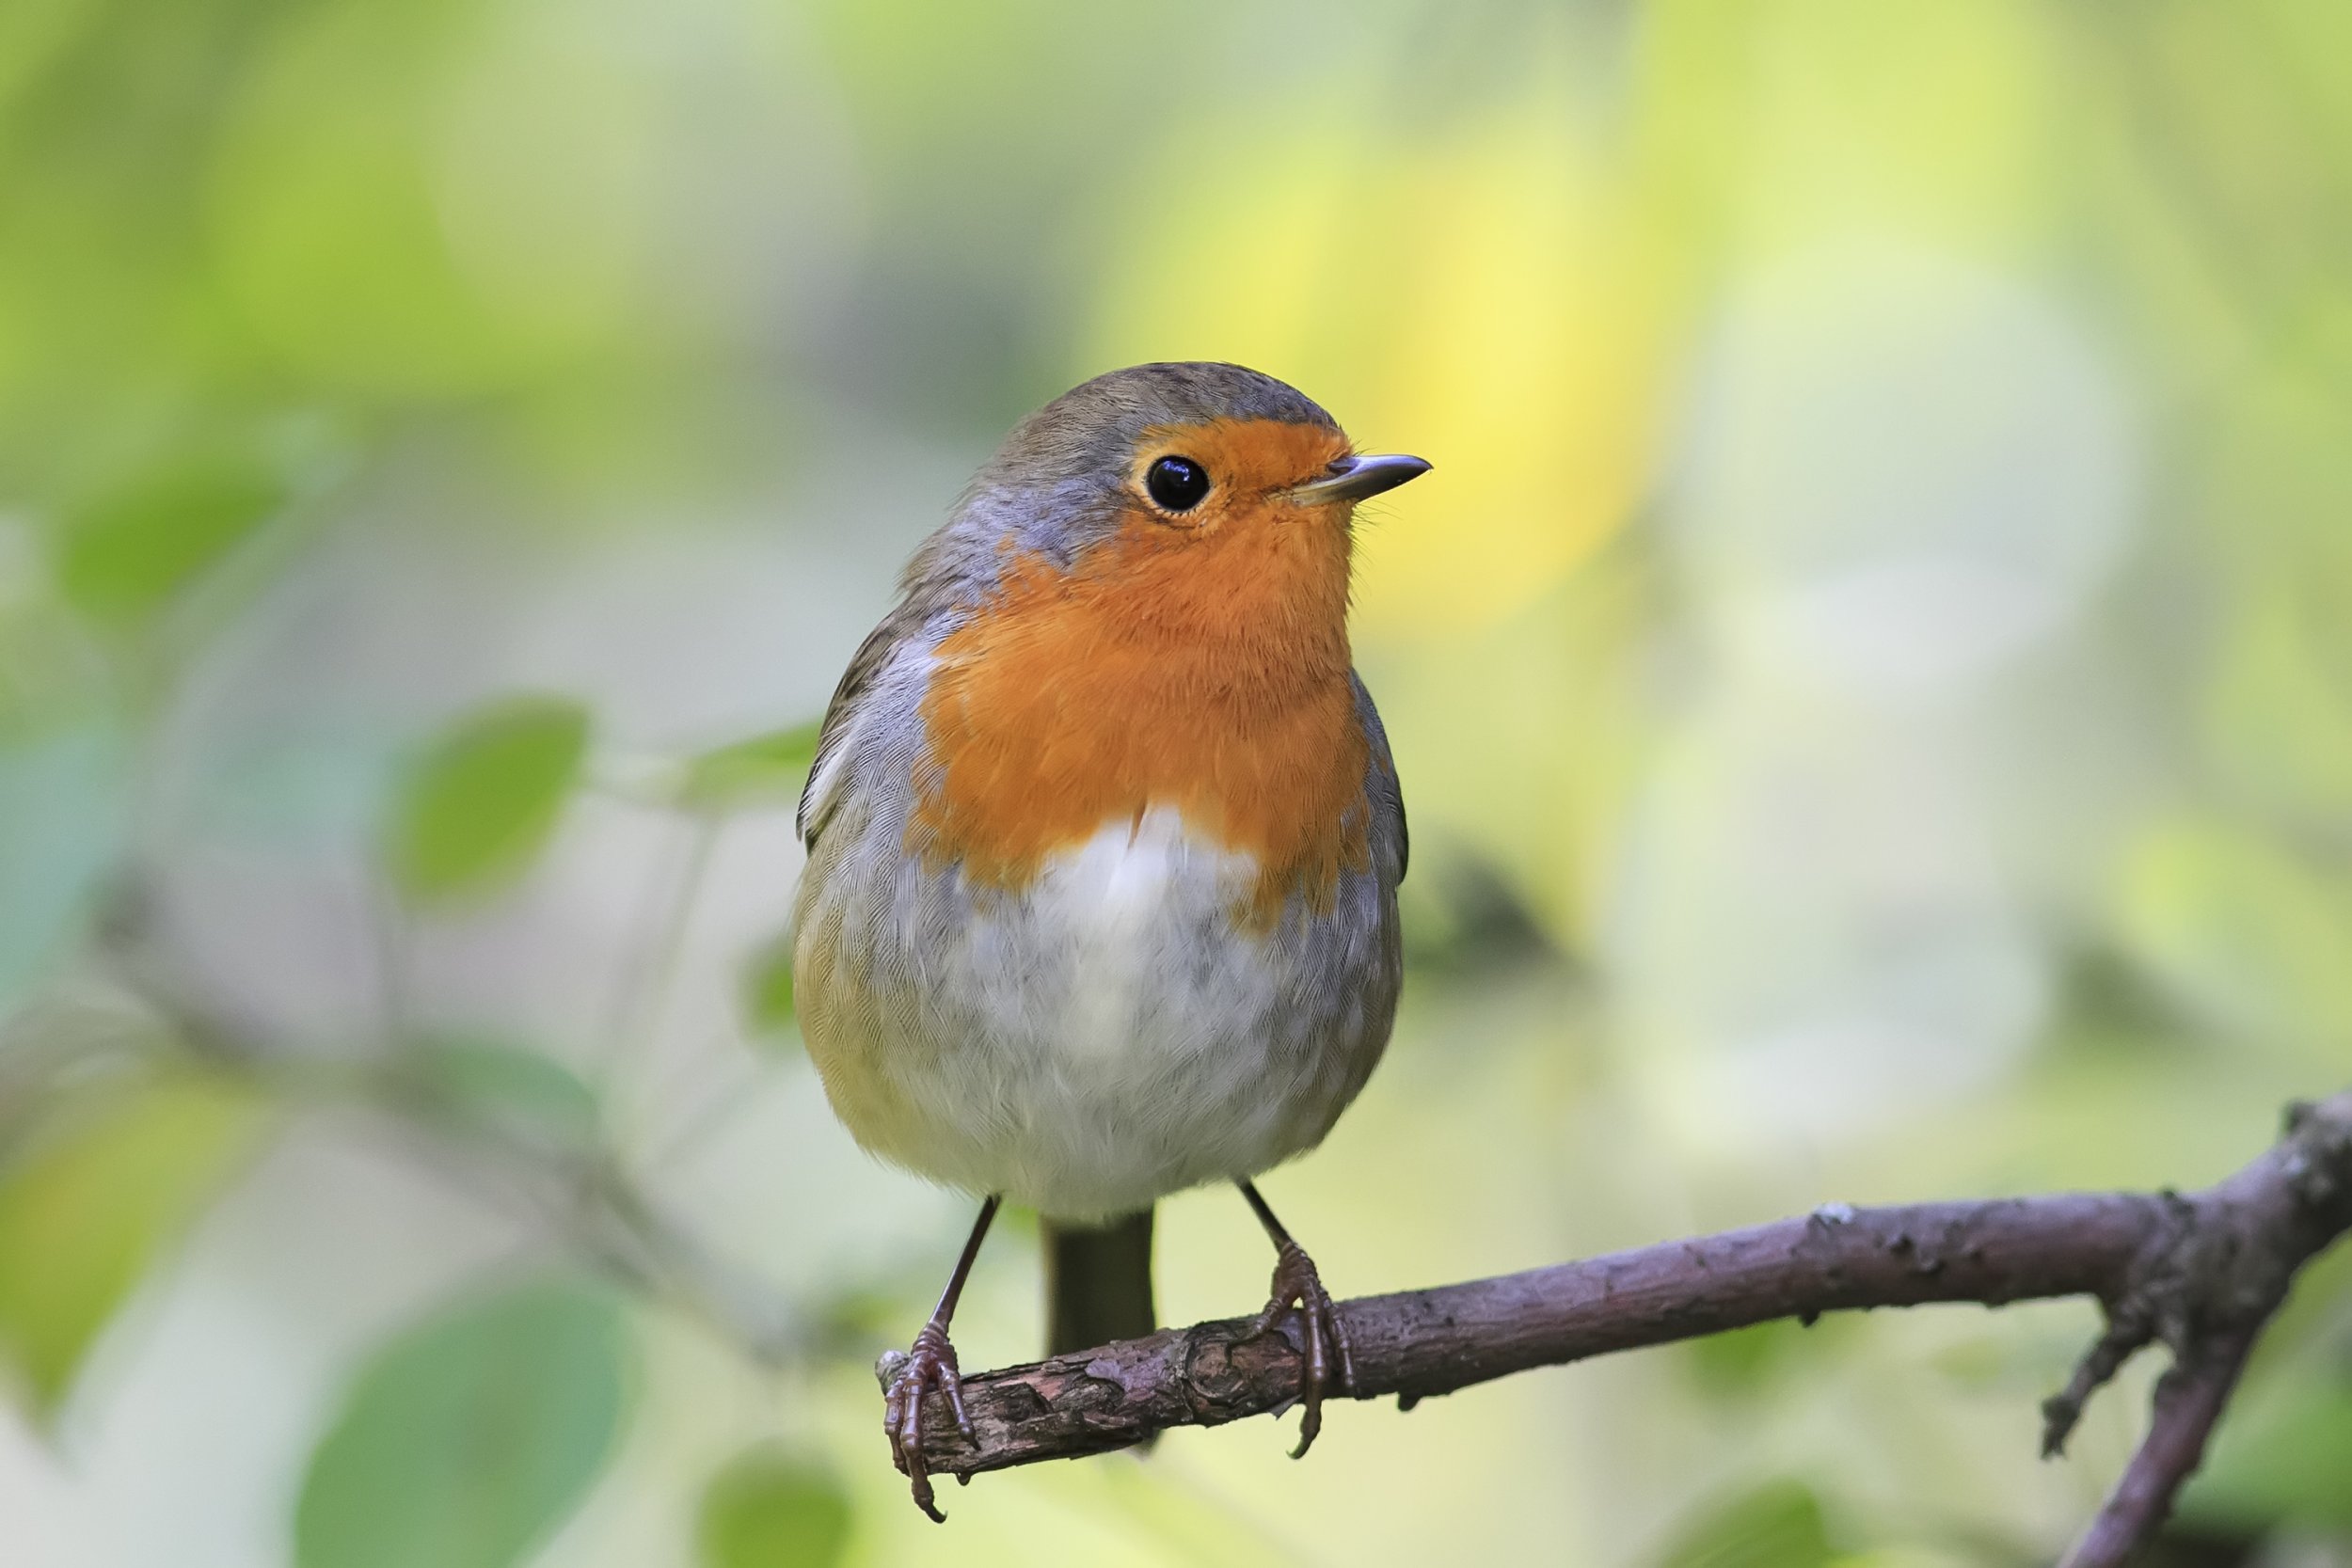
[2189, 1400]
[2202, 1273]
[2205, 1289]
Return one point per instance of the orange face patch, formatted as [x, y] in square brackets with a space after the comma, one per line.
[1249, 463]
[1196, 661]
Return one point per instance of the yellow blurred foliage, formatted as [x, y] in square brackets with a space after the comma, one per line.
[1483, 298]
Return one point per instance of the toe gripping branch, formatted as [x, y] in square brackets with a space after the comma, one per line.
[1326, 1363]
[906, 1377]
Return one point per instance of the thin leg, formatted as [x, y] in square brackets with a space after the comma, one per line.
[1298, 1284]
[931, 1362]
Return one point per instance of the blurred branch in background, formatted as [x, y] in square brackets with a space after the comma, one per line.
[2201, 1273]
[519, 1125]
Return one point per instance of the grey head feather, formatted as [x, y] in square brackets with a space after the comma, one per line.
[1089, 432]
[1059, 483]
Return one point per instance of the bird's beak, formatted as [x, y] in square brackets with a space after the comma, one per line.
[1355, 479]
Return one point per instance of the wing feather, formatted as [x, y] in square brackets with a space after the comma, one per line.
[1381, 785]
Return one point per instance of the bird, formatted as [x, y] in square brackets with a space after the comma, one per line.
[1103, 840]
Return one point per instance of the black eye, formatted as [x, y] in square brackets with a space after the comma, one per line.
[1177, 483]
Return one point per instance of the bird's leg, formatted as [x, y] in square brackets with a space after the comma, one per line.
[1330, 1367]
[930, 1363]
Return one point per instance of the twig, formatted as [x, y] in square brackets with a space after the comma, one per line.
[2201, 1271]
[641, 998]
[584, 1193]
[2205, 1286]
[2190, 1398]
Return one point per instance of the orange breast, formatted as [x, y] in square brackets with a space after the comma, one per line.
[1203, 668]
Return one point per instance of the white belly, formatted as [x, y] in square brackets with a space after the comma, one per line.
[1102, 1038]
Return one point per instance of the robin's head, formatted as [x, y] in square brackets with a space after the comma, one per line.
[1142, 601]
[1174, 457]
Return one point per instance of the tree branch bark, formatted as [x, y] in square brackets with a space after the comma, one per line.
[2201, 1272]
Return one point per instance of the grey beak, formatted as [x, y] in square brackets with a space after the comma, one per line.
[1359, 477]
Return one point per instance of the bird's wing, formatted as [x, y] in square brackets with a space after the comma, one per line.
[830, 768]
[1381, 785]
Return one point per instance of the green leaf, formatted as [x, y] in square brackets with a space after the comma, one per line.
[84, 1211]
[2281, 1461]
[513, 1085]
[768, 1510]
[768, 988]
[471, 1436]
[1778, 1524]
[131, 548]
[767, 767]
[480, 805]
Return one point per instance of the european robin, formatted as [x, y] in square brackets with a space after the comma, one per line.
[1104, 842]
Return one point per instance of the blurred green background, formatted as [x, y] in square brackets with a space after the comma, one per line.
[1871, 674]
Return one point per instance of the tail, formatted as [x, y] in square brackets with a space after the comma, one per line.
[1098, 1282]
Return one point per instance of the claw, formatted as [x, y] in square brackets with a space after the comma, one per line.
[1297, 1285]
[930, 1363]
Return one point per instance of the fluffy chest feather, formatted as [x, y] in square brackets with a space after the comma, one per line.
[1101, 1036]
[1208, 677]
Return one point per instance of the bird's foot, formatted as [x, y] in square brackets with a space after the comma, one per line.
[1330, 1365]
[930, 1363]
